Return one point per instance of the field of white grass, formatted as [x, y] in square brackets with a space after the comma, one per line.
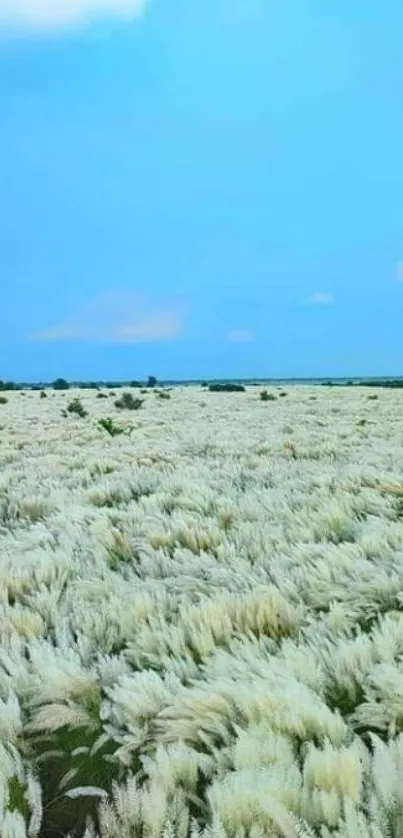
[201, 618]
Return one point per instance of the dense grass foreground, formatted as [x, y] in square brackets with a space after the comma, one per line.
[201, 618]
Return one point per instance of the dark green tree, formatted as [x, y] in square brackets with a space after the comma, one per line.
[8, 385]
[60, 384]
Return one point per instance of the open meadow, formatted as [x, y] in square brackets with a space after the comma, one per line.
[201, 614]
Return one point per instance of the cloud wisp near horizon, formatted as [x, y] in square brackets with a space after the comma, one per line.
[241, 336]
[321, 298]
[117, 317]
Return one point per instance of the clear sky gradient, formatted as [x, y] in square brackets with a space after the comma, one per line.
[201, 189]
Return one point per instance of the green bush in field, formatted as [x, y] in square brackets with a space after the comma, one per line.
[109, 426]
[76, 407]
[128, 402]
[226, 388]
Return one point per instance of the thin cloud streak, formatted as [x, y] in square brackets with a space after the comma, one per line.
[36, 16]
[321, 298]
[119, 318]
[241, 336]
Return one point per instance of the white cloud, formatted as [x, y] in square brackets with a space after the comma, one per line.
[240, 336]
[399, 271]
[117, 317]
[321, 298]
[48, 15]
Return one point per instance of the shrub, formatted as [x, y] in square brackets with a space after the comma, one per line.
[77, 408]
[291, 449]
[226, 388]
[102, 396]
[127, 402]
[108, 425]
[373, 397]
[163, 395]
[43, 395]
[3, 400]
[267, 397]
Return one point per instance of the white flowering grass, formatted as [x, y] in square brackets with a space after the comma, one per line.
[201, 617]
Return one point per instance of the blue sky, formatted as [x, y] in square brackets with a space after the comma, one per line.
[201, 189]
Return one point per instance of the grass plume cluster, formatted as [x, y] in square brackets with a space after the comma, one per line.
[201, 620]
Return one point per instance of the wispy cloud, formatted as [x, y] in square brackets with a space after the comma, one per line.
[321, 298]
[240, 336]
[117, 317]
[399, 271]
[47, 15]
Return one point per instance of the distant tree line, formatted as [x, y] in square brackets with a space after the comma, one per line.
[63, 384]
[213, 386]
[9, 385]
[394, 383]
